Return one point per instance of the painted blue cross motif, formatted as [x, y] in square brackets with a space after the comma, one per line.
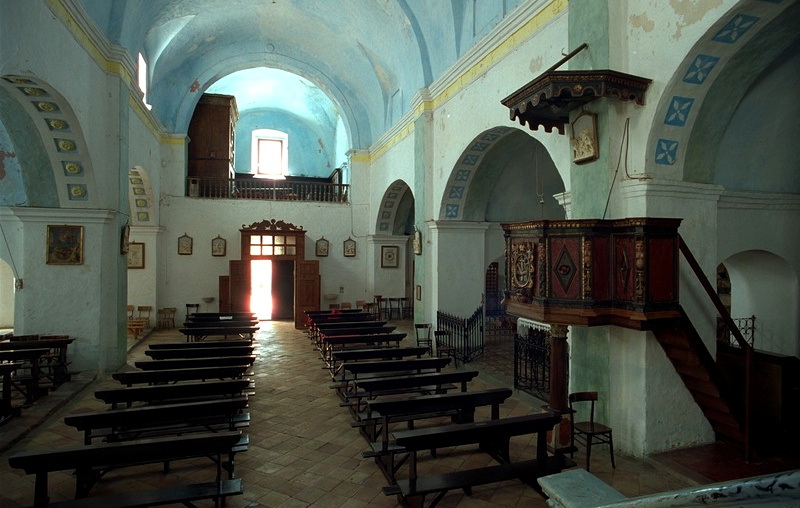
[384, 226]
[700, 69]
[456, 192]
[666, 152]
[735, 29]
[470, 160]
[463, 174]
[479, 147]
[679, 111]
[451, 211]
[386, 215]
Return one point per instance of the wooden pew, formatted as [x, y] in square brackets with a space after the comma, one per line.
[492, 437]
[163, 419]
[138, 377]
[202, 352]
[28, 386]
[188, 363]
[315, 330]
[200, 333]
[386, 368]
[53, 366]
[208, 343]
[91, 462]
[331, 344]
[7, 411]
[460, 406]
[176, 392]
[422, 383]
[221, 316]
[384, 353]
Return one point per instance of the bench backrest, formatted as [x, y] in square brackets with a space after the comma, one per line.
[369, 338]
[36, 344]
[141, 451]
[416, 380]
[158, 354]
[160, 414]
[469, 433]
[171, 392]
[348, 324]
[221, 324]
[439, 402]
[397, 365]
[193, 345]
[364, 330]
[183, 363]
[172, 375]
[377, 353]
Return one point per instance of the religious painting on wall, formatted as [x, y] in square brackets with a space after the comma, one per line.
[135, 255]
[322, 247]
[64, 245]
[218, 246]
[349, 248]
[584, 138]
[389, 256]
[185, 245]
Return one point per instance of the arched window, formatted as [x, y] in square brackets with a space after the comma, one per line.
[269, 156]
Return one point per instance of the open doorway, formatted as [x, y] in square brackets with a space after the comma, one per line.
[272, 289]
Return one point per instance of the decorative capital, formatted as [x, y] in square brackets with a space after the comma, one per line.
[558, 331]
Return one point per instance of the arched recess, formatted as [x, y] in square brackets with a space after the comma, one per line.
[764, 285]
[48, 145]
[703, 96]
[396, 210]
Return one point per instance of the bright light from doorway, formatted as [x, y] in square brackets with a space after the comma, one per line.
[261, 289]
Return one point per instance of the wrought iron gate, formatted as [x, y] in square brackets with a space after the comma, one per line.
[532, 362]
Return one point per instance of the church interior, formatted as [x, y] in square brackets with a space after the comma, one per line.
[610, 181]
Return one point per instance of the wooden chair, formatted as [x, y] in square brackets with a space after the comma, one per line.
[589, 432]
[444, 345]
[333, 306]
[423, 334]
[131, 310]
[406, 307]
[346, 305]
[360, 304]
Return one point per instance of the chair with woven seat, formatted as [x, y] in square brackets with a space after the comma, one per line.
[444, 345]
[423, 335]
[589, 432]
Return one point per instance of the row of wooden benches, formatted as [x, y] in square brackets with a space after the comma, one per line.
[188, 401]
[382, 386]
[199, 326]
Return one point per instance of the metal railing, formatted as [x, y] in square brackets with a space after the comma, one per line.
[466, 334]
[532, 362]
[267, 189]
[746, 326]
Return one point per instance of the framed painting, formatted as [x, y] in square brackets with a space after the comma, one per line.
[389, 256]
[219, 246]
[135, 255]
[322, 247]
[185, 245]
[349, 248]
[64, 245]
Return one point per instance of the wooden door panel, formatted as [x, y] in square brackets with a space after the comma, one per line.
[306, 290]
[239, 285]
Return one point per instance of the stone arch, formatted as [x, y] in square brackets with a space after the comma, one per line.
[703, 94]
[54, 163]
[472, 192]
[396, 210]
[141, 199]
[764, 285]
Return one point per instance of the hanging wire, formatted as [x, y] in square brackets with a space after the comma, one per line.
[536, 154]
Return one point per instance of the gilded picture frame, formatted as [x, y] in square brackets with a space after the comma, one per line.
[136, 252]
[64, 245]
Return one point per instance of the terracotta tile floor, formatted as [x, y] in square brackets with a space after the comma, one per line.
[302, 451]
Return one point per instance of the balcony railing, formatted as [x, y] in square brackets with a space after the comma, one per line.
[264, 189]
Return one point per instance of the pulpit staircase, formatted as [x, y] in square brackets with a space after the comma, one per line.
[698, 370]
[729, 417]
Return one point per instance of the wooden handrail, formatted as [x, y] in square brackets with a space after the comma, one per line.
[737, 334]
